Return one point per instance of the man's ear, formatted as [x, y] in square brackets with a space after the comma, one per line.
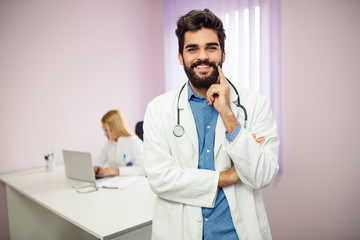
[181, 59]
[223, 56]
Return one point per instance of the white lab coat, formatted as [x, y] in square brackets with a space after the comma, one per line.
[118, 154]
[171, 164]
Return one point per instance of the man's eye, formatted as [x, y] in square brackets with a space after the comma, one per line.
[191, 49]
[212, 48]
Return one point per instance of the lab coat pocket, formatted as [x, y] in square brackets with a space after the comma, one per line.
[163, 221]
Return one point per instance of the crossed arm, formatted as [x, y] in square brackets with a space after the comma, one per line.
[230, 176]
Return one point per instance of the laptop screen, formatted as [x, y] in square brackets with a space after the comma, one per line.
[79, 166]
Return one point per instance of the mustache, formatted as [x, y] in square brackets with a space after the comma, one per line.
[205, 62]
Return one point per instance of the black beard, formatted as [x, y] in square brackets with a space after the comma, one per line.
[202, 81]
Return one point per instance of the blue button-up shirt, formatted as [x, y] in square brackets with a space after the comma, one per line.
[217, 221]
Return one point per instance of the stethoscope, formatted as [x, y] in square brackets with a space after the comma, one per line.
[179, 130]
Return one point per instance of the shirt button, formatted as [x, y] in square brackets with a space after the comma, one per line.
[208, 151]
[206, 219]
[208, 127]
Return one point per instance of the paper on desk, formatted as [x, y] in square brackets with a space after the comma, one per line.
[118, 182]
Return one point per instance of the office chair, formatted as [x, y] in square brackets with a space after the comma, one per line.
[139, 130]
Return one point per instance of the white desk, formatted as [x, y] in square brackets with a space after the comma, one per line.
[43, 205]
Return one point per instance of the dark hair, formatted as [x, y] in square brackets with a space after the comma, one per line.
[196, 20]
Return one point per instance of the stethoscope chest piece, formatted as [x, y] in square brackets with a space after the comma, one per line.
[178, 130]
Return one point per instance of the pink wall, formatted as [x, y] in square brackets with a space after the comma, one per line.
[317, 196]
[63, 64]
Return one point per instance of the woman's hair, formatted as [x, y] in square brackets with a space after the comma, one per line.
[115, 121]
[196, 20]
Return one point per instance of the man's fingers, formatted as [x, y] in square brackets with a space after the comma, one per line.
[259, 140]
[221, 75]
[213, 91]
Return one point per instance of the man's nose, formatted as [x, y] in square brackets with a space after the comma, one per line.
[203, 55]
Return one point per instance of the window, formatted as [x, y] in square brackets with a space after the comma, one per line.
[252, 45]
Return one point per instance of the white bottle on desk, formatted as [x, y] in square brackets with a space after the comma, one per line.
[50, 162]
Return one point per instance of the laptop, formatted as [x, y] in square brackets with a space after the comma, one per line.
[79, 166]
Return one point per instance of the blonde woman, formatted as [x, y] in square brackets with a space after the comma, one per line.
[123, 154]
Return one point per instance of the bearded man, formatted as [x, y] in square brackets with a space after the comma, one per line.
[201, 158]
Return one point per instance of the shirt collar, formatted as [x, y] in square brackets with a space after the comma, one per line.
[192, 94]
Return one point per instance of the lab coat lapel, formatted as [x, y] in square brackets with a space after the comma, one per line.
[187, 120]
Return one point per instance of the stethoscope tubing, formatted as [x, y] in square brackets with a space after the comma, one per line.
[179, 130]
